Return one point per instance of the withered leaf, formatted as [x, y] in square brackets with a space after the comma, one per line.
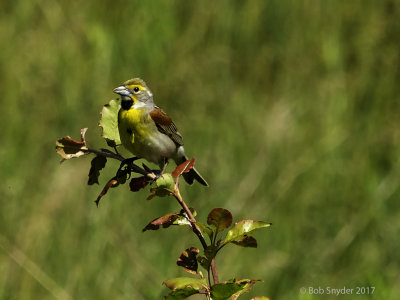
[167, 220]
[97, 164]
[138, 183]
[247, 241]
[188, 260]
[69, 148]
[113, 182]
[183, 167]
[220, 218]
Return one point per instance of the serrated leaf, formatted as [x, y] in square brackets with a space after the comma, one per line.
[232, 288]
[184, 282]
[69, 148]
[167, 220]
[97, 164]
[109, 122]
[242, 228]
[247, 242]
[220, 218]
[181, 294]
[184, 167]
[188, 260]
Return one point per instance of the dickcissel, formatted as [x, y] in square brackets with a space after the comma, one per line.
[147, 131]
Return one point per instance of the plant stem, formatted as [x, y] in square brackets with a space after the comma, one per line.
[119, 157]
[214, 271]
[192, 220]
[177, 196]
[103, 153]
[196, 231]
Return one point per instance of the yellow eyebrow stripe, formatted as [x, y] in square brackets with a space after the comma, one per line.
[131, 86]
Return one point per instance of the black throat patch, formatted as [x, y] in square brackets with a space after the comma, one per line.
[126, 104]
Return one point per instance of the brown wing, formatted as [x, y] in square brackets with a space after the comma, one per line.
[165, 125]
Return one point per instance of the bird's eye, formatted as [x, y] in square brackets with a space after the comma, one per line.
[136, 89]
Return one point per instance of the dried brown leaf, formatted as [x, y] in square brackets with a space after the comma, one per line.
[111, 183]
[188, 260]
[69, 148]
[184, 167]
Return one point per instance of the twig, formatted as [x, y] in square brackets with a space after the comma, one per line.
[176, 194]
[196, 230]
[103, 153]
[192, 220]
[119, 157]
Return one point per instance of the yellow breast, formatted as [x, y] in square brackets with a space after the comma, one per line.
[134, 126]
[140, 135]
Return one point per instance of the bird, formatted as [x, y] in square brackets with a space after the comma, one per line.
[147, 131]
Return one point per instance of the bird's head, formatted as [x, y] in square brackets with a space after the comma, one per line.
[134, 92]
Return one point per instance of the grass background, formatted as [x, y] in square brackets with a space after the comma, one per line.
[291, 108]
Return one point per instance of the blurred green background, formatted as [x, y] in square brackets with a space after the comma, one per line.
[291, 108]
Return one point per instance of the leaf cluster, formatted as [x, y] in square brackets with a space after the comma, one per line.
[218, 220]
[163, 185]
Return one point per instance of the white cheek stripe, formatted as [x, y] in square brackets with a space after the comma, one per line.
[138, 105]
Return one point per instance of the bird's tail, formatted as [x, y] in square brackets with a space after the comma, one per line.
[192, 175]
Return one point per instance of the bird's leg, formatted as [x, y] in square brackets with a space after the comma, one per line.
[163, 167]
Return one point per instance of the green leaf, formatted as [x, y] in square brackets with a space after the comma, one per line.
[247, 285]
[69, 148]
[247, 241]
[211, 251]
[109, 122]
[222, 291]
[204, 262]
[232, 288]
[97, 164]
[184, 282]
[208, 230]
[188, 260]
[260, 298]
[242, 228]
[181, 294]
[163, 186]
[220, 218]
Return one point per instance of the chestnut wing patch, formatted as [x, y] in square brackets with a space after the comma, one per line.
[165, 125]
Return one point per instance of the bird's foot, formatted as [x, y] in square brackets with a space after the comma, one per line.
[158, 174]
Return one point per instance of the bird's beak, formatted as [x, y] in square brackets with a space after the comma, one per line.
[122, 90]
